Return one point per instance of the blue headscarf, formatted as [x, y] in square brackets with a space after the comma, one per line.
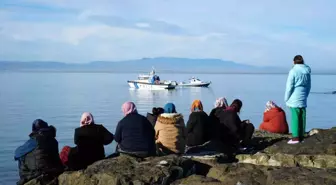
[169, 108]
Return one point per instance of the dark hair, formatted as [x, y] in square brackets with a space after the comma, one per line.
[237, 104]
[39, 124]
[157, 110]
[298, 59]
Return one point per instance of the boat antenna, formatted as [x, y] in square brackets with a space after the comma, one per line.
[153, 70]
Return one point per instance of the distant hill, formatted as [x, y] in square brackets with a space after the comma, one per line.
[162, 64]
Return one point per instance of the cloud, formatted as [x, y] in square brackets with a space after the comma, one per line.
[259, 32]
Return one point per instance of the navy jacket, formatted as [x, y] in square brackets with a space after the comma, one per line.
[135, 133]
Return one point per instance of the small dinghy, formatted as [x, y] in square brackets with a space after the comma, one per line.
[194, 82]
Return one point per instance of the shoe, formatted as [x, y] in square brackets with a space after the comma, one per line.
[291, 142]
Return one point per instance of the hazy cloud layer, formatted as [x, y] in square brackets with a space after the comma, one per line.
[257, 32]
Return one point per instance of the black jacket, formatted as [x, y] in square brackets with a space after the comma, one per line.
[198, 128]
[135, 133]
[39, 155]
[152, 118]
[90, 141]
[227, 125]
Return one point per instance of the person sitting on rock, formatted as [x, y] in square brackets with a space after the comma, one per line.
[236, 131]
[39, 155]
[152, 117]
[170, 132]
[90, 139]
[135, 135]
[274, 119]
[220, 104]
[198, 131]
[217, 130]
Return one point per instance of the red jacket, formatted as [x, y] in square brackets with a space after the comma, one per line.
[275, 121]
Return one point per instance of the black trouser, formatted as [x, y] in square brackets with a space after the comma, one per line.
[139, 154]
[247, 133]
[162, 150]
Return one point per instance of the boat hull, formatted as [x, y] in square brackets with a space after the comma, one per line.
[196, 85]
[142, 85]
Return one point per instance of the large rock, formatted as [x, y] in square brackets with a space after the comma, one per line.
[127, 170]
[318, 150]
[248, 174]
[271, 162]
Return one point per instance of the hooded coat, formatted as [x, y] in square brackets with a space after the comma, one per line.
[298, 86]
[275, 121]
[39, 155]
[170, 132]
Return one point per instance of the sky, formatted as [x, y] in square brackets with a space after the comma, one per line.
[258, 32]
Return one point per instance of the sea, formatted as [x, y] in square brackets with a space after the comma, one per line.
[60, 98]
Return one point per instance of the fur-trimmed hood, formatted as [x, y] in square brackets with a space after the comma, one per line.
[170, 118]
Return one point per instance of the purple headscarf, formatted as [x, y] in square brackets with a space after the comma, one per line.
[128, 108]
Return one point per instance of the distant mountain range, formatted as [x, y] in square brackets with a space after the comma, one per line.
[162, 64]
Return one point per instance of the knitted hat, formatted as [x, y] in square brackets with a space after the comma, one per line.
[169, 108]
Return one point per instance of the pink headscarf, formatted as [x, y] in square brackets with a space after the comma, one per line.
[86, 119]
[128, 108]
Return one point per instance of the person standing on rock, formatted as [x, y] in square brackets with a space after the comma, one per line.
[170, 132]
[134, 134]
[297, 90]
[39, 155]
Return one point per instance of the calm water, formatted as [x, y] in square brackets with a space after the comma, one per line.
[60, 98]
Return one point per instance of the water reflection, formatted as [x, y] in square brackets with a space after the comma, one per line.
[147, 99]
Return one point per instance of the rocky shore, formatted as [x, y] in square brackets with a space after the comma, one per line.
[271, 162]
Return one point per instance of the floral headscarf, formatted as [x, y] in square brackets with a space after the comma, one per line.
[270, 105]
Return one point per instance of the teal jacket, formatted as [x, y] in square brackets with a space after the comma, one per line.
[298, 86]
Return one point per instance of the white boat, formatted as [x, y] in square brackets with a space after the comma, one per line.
[151, 81]
[194, 82]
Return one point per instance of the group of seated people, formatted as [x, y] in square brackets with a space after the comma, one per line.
[162, 132]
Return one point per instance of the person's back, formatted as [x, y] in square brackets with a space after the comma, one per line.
[198, 125]
[274, 119]
[39, 155]
[298, 86]
[135, 133]
[90, 141]
[152, 117]
[229, 124]
[170, 131]
[297, 90]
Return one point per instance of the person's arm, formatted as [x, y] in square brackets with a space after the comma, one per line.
[309, 85]
[156, 129]
[106, 135]
[266, 117]
[289, 86]
[184, 130]
[118, 133]
[76, 136]
[190, 125]
[27, 147]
